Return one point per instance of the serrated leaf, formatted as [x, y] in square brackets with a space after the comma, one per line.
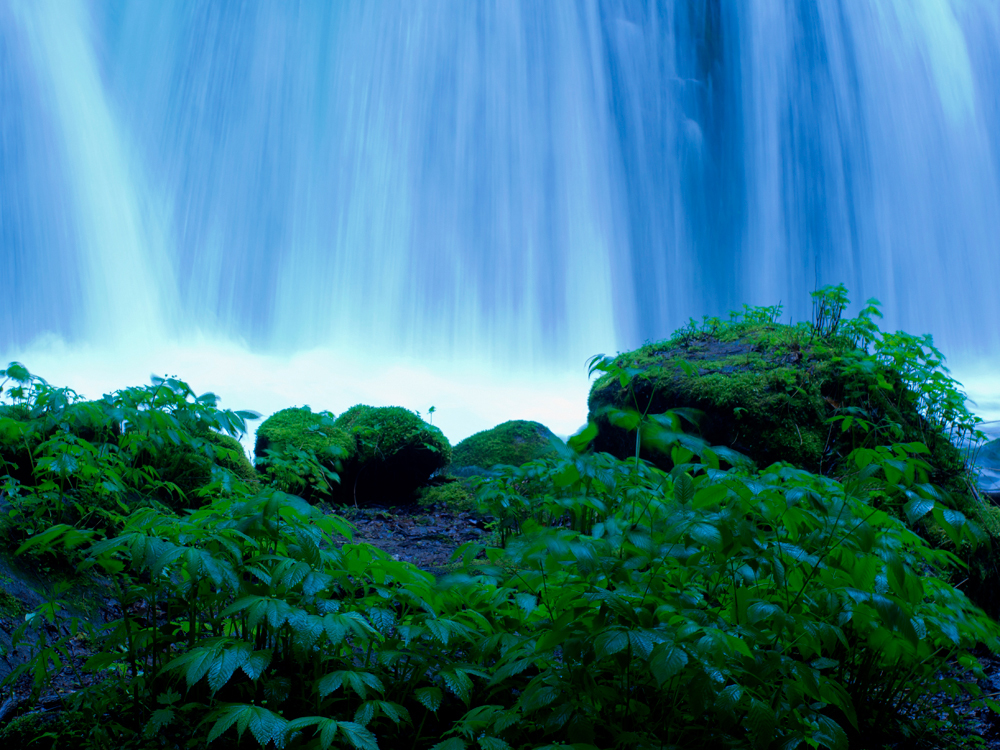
[267, 727]
[454, 743]
[527, 602]
[610, 642]
[439, 629]
[830, 734]
[382, 619]
[493, 743]
[532, 700]
[222, 668]
[394, 711]
[917, 509]
[330, 683]
[161, 717]
[458, 682]
[666, 662]
[683, 489]
[229, 716]
[359, 736]
[429, 697]
[761, 610]
[761, 720]
[642, 643]
[365, 713]
[256, 663]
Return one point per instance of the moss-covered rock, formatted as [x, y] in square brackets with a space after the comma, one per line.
[396, 452]
[768, 392]
[300, 428]
[452, 494]
[189, 466]
[779, 393]
[512, 443]
[304, 452]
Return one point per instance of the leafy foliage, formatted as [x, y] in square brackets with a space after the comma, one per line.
[699, 604]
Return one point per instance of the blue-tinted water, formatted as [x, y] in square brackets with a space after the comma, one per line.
[513, 183]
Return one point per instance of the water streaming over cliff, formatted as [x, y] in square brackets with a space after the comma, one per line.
[515, 183]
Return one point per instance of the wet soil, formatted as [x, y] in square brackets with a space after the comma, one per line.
[425, 536]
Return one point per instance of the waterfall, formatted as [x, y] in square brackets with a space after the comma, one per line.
[517, 184]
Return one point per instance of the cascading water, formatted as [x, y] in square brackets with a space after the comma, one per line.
[516, 185]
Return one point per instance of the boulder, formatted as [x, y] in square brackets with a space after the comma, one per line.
[292, 442]
[396, 453]
[512, 443]
[189, 466]
[767, 392]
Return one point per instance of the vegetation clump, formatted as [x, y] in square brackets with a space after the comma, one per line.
[688, 601]
[302, 451]
[808, 393]
[816, 395]
[512, 443]
[454, 495]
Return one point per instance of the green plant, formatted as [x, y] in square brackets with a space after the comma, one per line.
[705, 604]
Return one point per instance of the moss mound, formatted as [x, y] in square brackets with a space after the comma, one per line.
[190, 466]
[512, 443]
[396, 452]
[455, 496]
[299, 428]
[787, 393]
[304, 452]
[768, 391]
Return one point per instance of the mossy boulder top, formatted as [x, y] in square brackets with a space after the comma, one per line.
[396, 452]
[512, 443]
[382, 431]
[768, 392]
[299, 428]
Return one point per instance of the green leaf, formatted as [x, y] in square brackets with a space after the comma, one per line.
[454, 743]
[527, 602]
[761, 610]
[917, 509]
[429, 697]
[458, 682]
[683, 489]
[829, 733]
[161, 717]
[610, 642]
[709, 496]
[667, 660]
[358, 736]
[762, 722]
[227, 718]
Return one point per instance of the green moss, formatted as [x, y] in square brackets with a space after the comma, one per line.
[28, 730]
[768, 390]
[512, 443]
[455, 496]
[397, 452]
[232, 456]
[189, 467]
[383, 431]
[302, 429]
[11, 608]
